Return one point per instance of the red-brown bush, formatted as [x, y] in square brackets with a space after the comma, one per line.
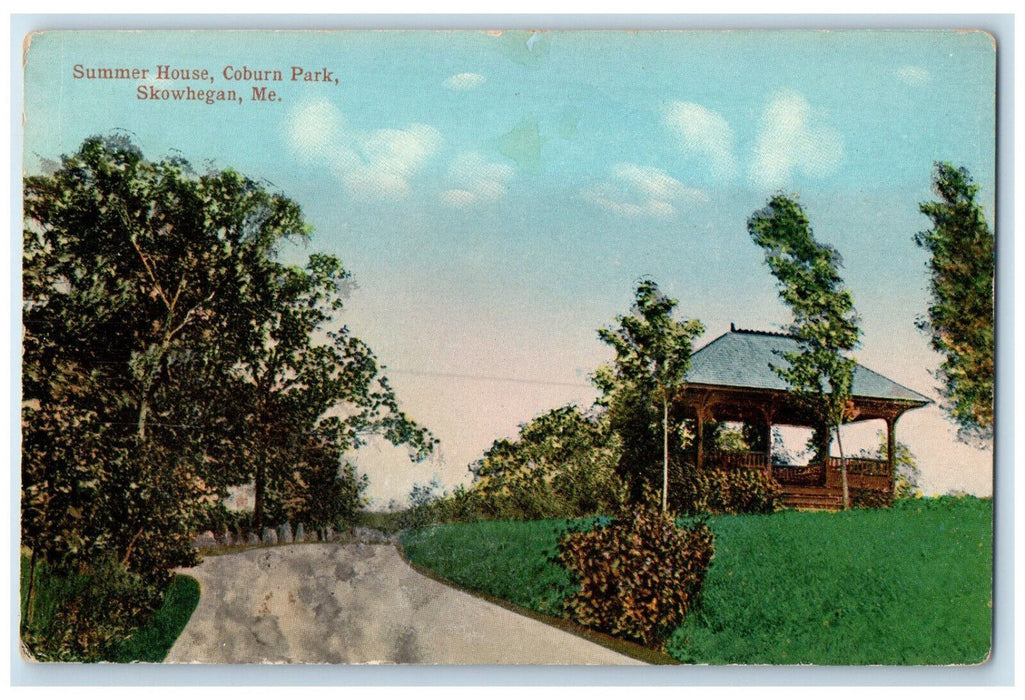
[638, 576]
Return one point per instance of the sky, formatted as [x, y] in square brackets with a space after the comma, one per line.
[497, 196]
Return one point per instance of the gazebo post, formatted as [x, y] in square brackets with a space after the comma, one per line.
[767, 414]
[891, 448]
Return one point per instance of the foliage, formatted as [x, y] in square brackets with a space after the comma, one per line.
[743, 491]
[74, 616]
[130, 268]
[168, 355]
[424, 505]
[561, 465]
[638, 576]
[871, 498]
[116, 602]
[726, 491]
[730, 440]
[960, 316]
[825, 325]
[789, 588]
[309, 392]
[653, 352]
[905, 465]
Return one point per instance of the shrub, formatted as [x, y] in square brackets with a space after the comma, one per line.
[751, 491]
[82, 615]
[870, 498]
[638, 575]
[725, 491]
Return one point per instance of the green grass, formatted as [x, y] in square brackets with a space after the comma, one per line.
[910, 585]
[506, 559]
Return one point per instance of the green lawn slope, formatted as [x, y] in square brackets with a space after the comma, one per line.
[909, 585]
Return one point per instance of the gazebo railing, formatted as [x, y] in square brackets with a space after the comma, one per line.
[740, 460]
[862, 473]
[794, 475]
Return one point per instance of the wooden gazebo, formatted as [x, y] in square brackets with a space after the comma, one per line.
[732, 379]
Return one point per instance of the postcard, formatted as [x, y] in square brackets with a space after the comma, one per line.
[508, 347]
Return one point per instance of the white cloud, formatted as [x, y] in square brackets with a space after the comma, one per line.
[464, 81]
[376, 164]
[475, 180]
[637, 190]
[789, 140]
[913, 75]
[705, 132]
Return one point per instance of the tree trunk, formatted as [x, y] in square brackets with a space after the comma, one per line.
[258, 496]
[29, 611]
[143, 413]
[665, 453]
[843, 470]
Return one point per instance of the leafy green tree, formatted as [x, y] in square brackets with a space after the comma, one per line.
[139, 290]
[960, 316]
[820, 373]
[653, 352]
[310, 387]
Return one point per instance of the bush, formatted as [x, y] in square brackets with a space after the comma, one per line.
[83, 615]
[725, 491]
[870, 498]
[638, 576]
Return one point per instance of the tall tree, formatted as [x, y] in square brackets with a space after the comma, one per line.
[311, 383]
[960, 316]
[142, 284]
[824, 322]
[653, 351]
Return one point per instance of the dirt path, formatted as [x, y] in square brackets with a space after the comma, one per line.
[357, 603]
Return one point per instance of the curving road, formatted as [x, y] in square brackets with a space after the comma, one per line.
[353, 604]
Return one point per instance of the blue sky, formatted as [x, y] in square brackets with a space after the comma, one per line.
[497, 196]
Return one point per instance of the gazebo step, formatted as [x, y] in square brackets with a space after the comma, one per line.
[812, 498]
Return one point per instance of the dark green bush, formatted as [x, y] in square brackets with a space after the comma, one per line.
[83, 615]
[638, 575]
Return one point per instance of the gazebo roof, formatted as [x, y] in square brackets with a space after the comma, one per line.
[744, 359]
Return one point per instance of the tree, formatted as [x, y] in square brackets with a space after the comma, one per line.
[142, 281]
[820, 374]
[157, 320]
[310, 388]
[653, 352]
[139, 282]
[960, 316]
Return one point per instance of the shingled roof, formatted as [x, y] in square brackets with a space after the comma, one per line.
[745, 359]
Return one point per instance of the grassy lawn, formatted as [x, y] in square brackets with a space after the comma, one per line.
[148, 643]
[907, 585]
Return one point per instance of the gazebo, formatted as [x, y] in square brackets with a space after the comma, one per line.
[732, 379]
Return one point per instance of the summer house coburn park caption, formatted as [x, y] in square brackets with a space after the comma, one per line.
[157, 92]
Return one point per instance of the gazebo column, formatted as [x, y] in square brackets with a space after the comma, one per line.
[833, 477]
[891, 449]
[767, 414]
